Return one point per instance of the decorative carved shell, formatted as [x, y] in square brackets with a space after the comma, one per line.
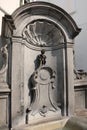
[43, 34]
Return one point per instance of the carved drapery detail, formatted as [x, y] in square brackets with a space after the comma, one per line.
[4, 54]
[43, 33]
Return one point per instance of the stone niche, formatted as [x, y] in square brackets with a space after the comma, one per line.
[39, 41]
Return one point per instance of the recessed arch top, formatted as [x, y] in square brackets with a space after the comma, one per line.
[48, 10]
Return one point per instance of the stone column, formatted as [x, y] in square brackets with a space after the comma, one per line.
[17, 83]
[69, 80]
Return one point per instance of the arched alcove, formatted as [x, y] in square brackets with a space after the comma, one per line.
[45, 32]
[47, 10]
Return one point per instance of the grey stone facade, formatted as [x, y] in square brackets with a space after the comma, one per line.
[37, 86]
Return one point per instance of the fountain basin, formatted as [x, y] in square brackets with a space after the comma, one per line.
[72, 123]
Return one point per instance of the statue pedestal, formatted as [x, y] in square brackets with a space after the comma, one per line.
[50, 116]
[42, 107]
[52, 125]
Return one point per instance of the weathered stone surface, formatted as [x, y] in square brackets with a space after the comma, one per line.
[38, 64]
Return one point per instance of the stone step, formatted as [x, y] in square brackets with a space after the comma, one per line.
[52, 125]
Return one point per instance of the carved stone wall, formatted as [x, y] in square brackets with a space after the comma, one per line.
[80, 88]
[42, 83]
[4, 89]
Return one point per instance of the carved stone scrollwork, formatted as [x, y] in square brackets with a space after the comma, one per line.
[80, 74]
[4, 54]
[43, 83]
[41, 89]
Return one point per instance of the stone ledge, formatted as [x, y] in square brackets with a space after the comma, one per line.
[52, 125]
[73, 123]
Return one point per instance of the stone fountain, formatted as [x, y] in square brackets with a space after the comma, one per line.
[38, 81]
